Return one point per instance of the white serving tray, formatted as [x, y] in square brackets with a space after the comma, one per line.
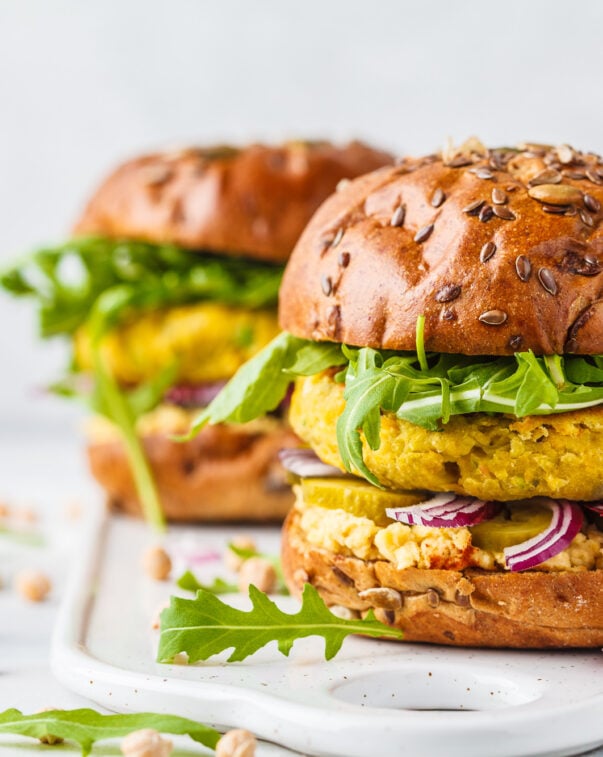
[375, 698]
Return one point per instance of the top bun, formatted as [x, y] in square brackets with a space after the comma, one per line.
[253, 201]
[501, 250]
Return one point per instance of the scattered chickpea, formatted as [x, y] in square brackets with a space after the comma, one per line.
[259, 572]
[237, 743]
[233, 562]
[73, 510]
[156, 563]
[25, 515]
[146, 743]
[49, 738]
[4, 510]
[156, 621]
[180, 659]
[344, 612]
[32, 585]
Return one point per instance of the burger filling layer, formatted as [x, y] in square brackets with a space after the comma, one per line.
[373, 537]
[492, 457]
[205, 341]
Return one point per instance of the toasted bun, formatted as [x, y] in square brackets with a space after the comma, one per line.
[224, 473]
[468, 608]
[493, 279]
[253, 201]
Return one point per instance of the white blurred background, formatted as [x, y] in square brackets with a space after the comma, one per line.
[85, 84]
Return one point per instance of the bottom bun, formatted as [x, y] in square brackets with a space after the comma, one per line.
[224, 473]
[474, 608]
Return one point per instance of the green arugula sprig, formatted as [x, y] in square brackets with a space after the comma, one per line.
[189, 582]
[21, 536]
[261, 384]
[86, 726]
[99, 282]
[205, 626]
[423, 388]
[67, 280]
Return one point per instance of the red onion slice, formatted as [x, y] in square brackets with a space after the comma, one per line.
[566, 522]
[194, 395]
[596, 507]
[445, 511]
[305, 463]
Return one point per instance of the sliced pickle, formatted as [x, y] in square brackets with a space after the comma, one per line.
[356, 497]
[516, 523]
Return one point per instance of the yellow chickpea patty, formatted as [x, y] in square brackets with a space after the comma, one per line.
[496, 457]
[207, 341]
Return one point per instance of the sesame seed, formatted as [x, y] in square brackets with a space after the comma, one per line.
[338, 237]
[343, 259]
[493, 317]
[547, 280]
[326, 284]
[592, 203]
[448, 293]
[501, 211]
[423, 234]
[438, 198]
[398, 215]
[576, 175]
[486, 213]
[473, 208]
[549, 176]
[559, 210]
[487, 251]
[459, 161]
[523, 267]
[498, 196]
[587, 218]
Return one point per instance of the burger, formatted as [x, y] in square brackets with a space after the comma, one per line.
[168, 285]
[443, 320]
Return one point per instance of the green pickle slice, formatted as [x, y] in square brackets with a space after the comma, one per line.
[516, 523]
[356, 497]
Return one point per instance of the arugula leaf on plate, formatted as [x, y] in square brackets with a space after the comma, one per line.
[188, 581]
[86, 726]
[206, 626]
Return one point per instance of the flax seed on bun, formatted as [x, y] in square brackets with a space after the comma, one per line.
[500, 250]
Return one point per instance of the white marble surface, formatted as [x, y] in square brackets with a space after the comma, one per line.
[47, 473]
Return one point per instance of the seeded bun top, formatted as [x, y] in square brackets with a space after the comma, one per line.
[501, 251]
[253, 201]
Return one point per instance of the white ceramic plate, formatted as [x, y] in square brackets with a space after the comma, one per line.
[374, 698]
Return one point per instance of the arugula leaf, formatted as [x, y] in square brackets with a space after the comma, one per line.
[67, 280]
[86, 726]
[205, 626]
[425, 389]
[109, 400]
[188, 581]
[261, 384]
[27, 538]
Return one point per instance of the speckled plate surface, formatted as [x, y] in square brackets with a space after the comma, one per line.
[374, 697]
